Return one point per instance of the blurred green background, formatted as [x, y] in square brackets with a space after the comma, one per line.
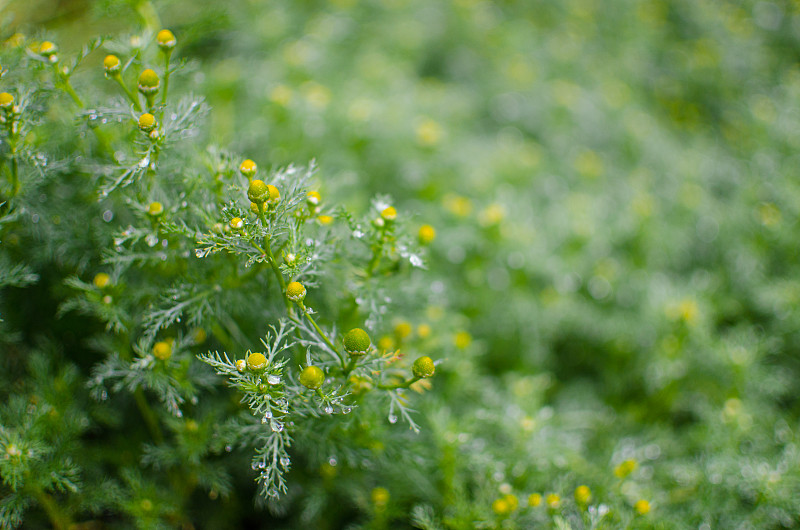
[614, 186]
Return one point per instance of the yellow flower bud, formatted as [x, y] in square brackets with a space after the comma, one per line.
[426, 234]
[389, 214]
[274, 194]
[534, 500]
[380, 497]
[553, 501]
[583, 495]
[248, 168]
[6, 100]
[241, 364]
[162, 350]
[625, 468]
[312, 377]
[295, 292]
[148, 82]
[47, 48]
[166, 40]
[642, 507]
[101, 280]
[313, 198]
[402, 330]
[237, 223]
[325, 219]
[112, 64]
[501, 507]
[256, 361]
[423, 367]
[155, 209]
[147, 122]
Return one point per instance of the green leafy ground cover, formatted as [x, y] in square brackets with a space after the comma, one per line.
[611, 291]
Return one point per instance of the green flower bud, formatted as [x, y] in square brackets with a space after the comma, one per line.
[258, 192]
[423, 367]
[357, 342]
[312, 377]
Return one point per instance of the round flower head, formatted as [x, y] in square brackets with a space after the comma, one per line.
[426, 234]
[241, 364]
[155, 209]
[553, 500]
[147, 122]
[313, 198]
[642, 507]
[6, 100]
[237, 223]
[256, 361]
[148, 82]
[111, 64]
[312, 377]
[389, 214]
[295, 292]
[162, 350]
[423, 367]
[356, 342]
[47, 48]
[274, 194]
[258, 192]
[535, 500]
[380, 497]
[501, 507]
[325, 219]
[166, 40]
[101, 280]
[248, 168]
[583, 495]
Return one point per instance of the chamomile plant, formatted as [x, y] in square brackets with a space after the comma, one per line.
[214, 265]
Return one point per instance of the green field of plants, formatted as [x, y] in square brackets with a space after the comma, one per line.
[393, 264]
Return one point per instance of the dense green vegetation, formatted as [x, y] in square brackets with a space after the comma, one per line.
[610, 295]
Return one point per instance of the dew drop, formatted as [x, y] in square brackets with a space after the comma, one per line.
[144, 162]
[285, 462]
[199, 253]
[273, 379]
[262, 465]
[264, 419]
[103, 395]
[346, 410]
[328, 409]
[276, 426]
[332, 461]
[392, 418]
[228, 448]
[151, 240]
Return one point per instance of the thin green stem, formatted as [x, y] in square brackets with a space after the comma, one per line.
[318, 329]
[59, 519]
[166, 77]
[118, 78]
[149, 416]
[149, 15]
[404, 384]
